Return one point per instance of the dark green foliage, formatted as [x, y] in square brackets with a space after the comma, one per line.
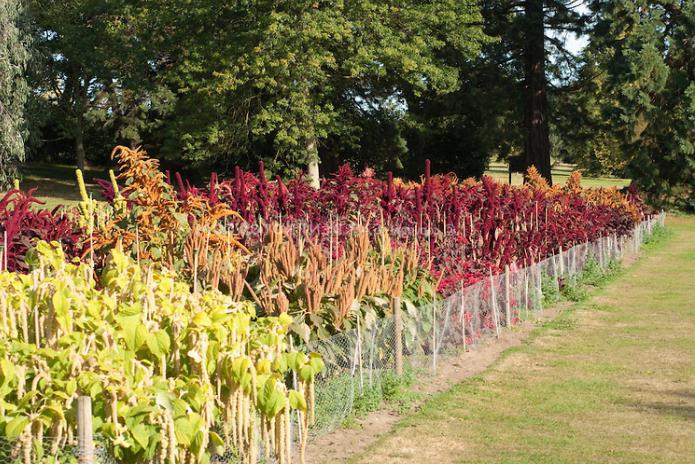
[550, 290]
[282, 80]
[388, 388]
[14, 57]
[93, 76]
[646, 57]
[205, 83]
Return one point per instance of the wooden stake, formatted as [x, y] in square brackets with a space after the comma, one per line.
[85, 440]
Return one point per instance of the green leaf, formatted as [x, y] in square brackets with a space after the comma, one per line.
[54, 409]
[156, 252]
[15, 427]
[180, 407]
[202, 319]
[61, 305]
[316, 362]
[306, 373]
[297, 400]
[217, 442]
[141, 434]
[183, 429]
[158, 343]
[134, 332]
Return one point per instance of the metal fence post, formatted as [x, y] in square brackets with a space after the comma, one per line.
[398, 333]
[85, 440]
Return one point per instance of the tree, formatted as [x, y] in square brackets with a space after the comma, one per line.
[502, 106]
[291, 77]
[95, 70]
[14, 57]
[646, 51]
[536, 112]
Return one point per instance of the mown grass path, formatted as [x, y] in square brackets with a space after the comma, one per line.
[612, 380]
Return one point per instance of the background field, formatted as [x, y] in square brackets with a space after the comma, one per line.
[56, 182]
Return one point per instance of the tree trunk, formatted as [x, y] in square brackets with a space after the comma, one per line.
[313, 164]
[79, 147]
[537, 137]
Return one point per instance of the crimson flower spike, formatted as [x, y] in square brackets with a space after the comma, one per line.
[213, 190]
[428, 182]
[182, 188]
[261, 174]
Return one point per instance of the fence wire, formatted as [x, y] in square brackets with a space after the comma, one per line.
[54, 449]
[360, 360]
[363, 360]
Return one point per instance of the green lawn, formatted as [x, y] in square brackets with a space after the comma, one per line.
[57, 185]
[561, 172]
[611, 381]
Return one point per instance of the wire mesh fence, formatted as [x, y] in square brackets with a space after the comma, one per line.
[360, 360]
[55, 449]
[422, 338]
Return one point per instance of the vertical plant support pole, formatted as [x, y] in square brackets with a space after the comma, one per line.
[539, 287]
[574, 260]
[526, 271]
[611, 247]
[137, 244]
[294, 385]
[493, 305]
[617, 244]
[463, 318]
[359, 348]
[398, 333]
[434, 338]
[371, 355]
[85, 440]
[4, 252]
[562, 263]
[195, 271]
[507, 297]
